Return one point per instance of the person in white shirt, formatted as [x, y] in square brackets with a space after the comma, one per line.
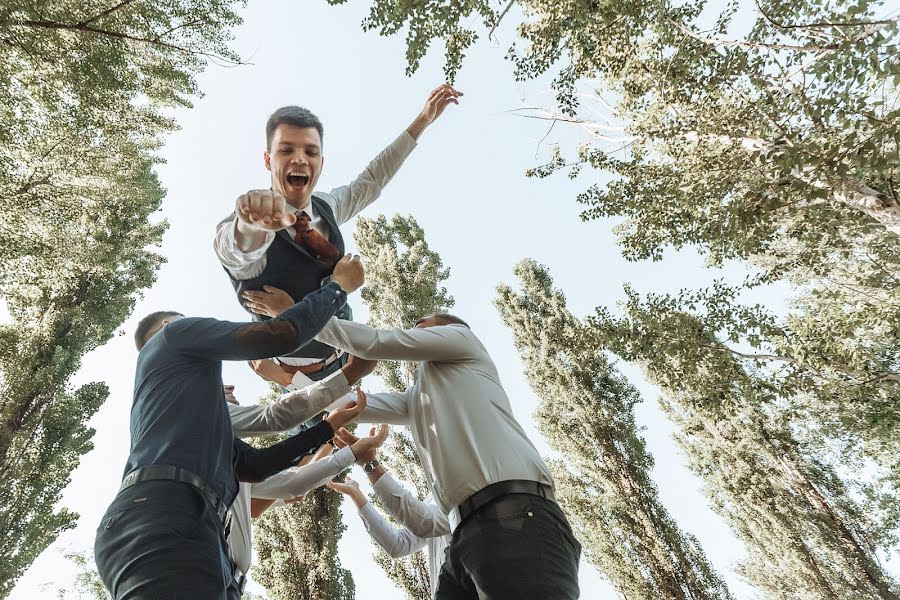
[288, 236]
[285, 413]
[510, 538]
[422, 521]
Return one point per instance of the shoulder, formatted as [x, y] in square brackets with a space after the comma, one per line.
[324, 202]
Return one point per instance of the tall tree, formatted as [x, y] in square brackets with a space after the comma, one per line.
[83, 87]
[297, 545]
[805, 534]
[587, 414]
[404, 280]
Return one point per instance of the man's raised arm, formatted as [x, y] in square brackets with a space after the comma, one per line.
[446, 343]
[211, 339]
[349, 200]
[300, 405]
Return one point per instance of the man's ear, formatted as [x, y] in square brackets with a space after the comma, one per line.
[267, 159]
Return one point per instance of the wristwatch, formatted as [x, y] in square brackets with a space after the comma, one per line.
[369, 467]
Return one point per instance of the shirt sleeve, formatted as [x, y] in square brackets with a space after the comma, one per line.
[289, 410]
[211, 339]
[257, 464]
[396, 542]
[298, 481]
[349, 200]
[443, 343]
[384, 407]
[242, 265]
[422, 518]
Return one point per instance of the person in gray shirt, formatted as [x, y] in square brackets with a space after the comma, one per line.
[510, 537]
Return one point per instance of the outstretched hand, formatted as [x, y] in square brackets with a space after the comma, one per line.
[440, 98]
[342, 416]
[365, 449]
[270, 301]
[344, 487]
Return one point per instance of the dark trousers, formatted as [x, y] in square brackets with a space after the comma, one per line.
[161, 540]
[518, 547]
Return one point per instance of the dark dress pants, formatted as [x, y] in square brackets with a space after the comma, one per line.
[161, 540]
[518, 547]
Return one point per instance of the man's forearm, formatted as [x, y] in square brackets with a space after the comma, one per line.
[290, 409]
[257, 464]
[416, 128]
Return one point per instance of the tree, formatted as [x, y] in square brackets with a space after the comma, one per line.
[603, 476]
[404, 280]
[805, 534]
[297, 544]
[744, 136]
[83, 87]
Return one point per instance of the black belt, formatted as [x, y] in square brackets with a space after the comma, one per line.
[485, 496]
[172, 473]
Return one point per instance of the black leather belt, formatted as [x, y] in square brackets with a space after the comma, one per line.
[487, 495]
[172, 473]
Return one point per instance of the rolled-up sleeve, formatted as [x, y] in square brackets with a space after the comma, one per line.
[242, 265]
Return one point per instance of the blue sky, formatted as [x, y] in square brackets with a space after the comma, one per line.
[465, 184]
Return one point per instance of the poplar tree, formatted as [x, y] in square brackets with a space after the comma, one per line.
[297, 544]
[83, 90]
[603, 477]
[404, 281]
[806, 535]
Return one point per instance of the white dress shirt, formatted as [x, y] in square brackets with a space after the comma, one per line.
[345, 201]
[288, 411]
[424, 526]
[457, 410]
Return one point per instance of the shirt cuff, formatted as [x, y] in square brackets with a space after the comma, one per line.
[405, 142]
[337, 293]
[344, 458]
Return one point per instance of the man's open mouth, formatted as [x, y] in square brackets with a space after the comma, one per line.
[297, 181]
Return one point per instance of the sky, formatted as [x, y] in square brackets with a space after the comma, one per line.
[465, 183]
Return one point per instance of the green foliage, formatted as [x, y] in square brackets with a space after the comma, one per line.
[404, 281]
[603, 478]
[297, 548]
[297, 544]
[87, 584]
[83, 90]
[806, 534]
[427, 21]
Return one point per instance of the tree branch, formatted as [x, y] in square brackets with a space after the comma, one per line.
[118, 35]
[779, 25]
[106, 12]
[500, 18]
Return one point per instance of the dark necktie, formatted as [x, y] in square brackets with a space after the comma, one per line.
[313, 241]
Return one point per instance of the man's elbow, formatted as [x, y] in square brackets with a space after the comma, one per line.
[396, 551]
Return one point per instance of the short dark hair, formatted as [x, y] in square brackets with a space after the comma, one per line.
[292, 115]
[444, 318]
[149, 324]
